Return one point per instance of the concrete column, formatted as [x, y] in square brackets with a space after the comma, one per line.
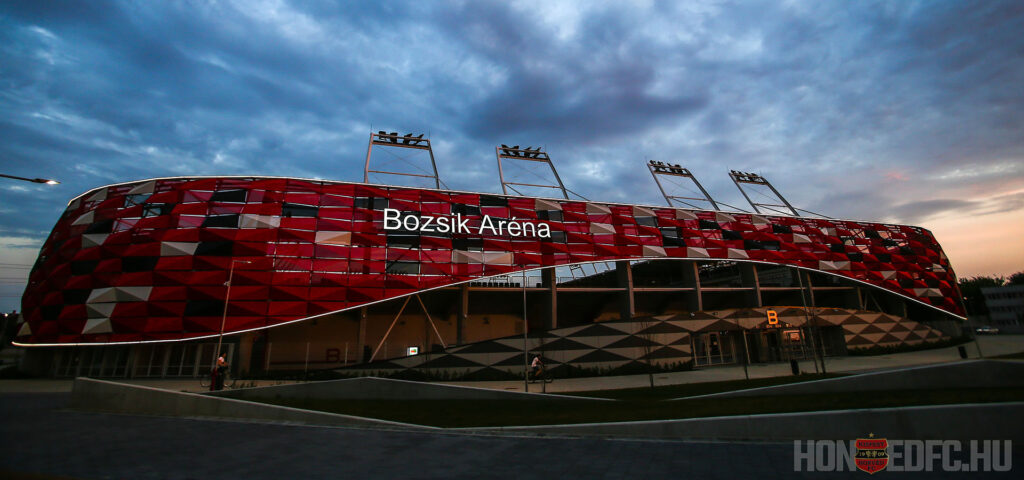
[693, 278]
[810, 287]
[463, 316]
[851, 297]
[166, 360]
[624, 274]
[549, 282]
[245, 352]
[748, 275]
[362, 335]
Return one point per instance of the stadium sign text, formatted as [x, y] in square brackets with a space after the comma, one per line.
[395, 220]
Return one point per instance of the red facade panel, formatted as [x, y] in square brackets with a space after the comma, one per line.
[154, 268]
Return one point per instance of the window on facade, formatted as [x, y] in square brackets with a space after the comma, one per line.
[83, 267]
[553, 215]
[135, 199]
[492, 201]
[105, 226]
[732, 235]
[760, 245]
[236, 196]
[76, 296]
[647, 221]
[221, 221]
[296, 210]
[373, 203]
[204, 308]
[672, 237]
[403, 267]
[403, 240]
[781, 229]
[222, 248]
[708, 225]
[138, 264]
[465, 209]
[471, 244]
[156, 209]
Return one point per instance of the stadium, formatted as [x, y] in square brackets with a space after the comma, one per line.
[144, 278]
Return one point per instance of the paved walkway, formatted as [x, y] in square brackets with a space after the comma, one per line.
[990, 345]
[42, 439]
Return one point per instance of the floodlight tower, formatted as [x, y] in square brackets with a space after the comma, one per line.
[780, 202]
[528, 154]
[393, 139]
[663, 169]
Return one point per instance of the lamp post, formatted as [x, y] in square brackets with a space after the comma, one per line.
[33, 180]
[224, 317]
[526, 326]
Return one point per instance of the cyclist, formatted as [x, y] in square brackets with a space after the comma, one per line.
[536, 366]
[222, 368]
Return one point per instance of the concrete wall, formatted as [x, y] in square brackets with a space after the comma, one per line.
[103, 396]
[969, 374]
[371, 388]
[955, 422]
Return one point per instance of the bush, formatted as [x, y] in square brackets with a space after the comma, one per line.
[903, 348]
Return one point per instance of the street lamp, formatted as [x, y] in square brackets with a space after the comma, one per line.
[34, 180]
[526, 327]
[224, 317]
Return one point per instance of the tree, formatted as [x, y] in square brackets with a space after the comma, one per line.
[1016, 279]
[971, 287]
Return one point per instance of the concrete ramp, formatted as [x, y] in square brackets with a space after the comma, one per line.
[966, 374]
[373, 388]
[92, 395]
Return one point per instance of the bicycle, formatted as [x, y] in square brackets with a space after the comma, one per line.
[205, 380]
[542, 375]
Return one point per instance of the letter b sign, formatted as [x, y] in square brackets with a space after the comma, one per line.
[773, 317]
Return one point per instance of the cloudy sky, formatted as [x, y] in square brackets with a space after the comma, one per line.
[898, 111]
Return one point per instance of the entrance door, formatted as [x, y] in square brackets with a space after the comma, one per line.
[794, 343]
[770, 346]
[711, 348]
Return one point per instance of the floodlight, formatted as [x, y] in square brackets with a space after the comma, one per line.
[34, 180]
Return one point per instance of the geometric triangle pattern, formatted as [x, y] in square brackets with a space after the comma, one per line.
[664, 339]
[97, 325]
[561, 347]
[174, 240]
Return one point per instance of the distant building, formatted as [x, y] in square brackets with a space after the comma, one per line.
[1005, 305]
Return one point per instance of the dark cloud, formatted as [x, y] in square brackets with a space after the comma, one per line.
[911, 212]
[869, 110]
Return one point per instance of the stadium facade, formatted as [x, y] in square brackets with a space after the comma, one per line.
[141, 278]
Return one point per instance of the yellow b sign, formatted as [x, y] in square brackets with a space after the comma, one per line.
[773, 317]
